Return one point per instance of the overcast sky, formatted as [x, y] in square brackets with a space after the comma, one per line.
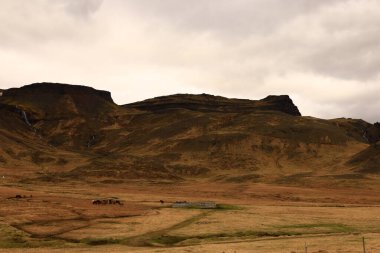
[325, 54]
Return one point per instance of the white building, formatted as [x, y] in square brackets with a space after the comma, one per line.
[200, 205]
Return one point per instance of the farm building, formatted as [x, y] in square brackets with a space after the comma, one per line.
[201, 205]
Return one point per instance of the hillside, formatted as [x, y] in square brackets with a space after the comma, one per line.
[58, 132]
[210, 103]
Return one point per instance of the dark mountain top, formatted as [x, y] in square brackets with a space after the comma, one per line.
[210, 103]
[37, 90]
[55, 100]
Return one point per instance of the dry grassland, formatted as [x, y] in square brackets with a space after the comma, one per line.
[249, 218]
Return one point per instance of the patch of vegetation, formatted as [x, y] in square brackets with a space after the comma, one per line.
[218, 207]
[280, 231]
[333, 227]
[265, 233]
[180, 169]
[351, 176]
[10, 152]
[38, 158]
[58, 140]
[228, 207]
[244, 178]
[61, 161]
[2, 160]
[169, 240]
[299, 178]
[250, 233]
[112, 181]
[14, 238]
[100, 241]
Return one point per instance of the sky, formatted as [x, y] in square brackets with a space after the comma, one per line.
[324, 54]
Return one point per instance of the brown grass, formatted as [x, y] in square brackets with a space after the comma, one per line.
[256, 217]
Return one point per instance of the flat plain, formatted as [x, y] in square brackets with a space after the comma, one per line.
[249, 218]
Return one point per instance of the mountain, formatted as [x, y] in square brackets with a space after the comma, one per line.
[210, 103]
[55, 132]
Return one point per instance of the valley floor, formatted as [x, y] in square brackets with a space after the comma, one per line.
[248, 218]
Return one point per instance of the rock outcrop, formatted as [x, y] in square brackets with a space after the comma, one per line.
[55, 100]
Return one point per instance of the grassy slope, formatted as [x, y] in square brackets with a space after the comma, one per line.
[88, 136]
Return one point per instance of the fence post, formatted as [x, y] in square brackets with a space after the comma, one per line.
[305, 247]
[364, 251]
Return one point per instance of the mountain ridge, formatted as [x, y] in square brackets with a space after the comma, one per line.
[79, 133]
[207, 102]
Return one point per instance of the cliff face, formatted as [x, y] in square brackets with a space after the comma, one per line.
[78, 132]
[281, 103]
[54, 100]
[205, 102]
[44, 91]
[63, 114]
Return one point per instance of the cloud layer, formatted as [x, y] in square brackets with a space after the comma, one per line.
[324, 53]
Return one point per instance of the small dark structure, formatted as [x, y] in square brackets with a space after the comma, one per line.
[19, 196]
[107, 201]
[96, 202]
[162, 202]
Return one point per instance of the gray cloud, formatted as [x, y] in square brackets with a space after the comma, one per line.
[240, 18]
[82, 8]
[350, 45]
[324, 53]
